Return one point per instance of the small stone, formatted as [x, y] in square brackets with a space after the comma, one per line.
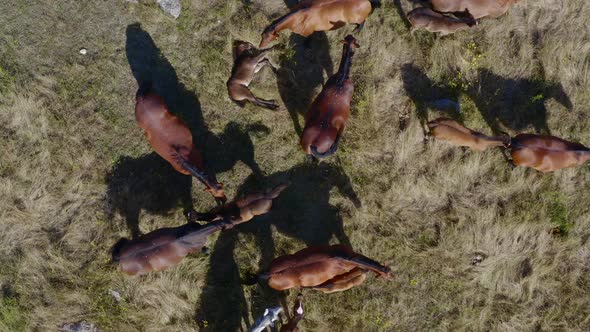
[115, 295]
[476, 260]
[83, 51]
[171, 7]
[79, 327]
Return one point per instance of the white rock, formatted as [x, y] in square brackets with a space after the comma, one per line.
[83, 51]
[115, 295]
[171, 7]
[79, 327]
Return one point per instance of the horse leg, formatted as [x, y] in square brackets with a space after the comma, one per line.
[507, 157]
[359, 27]
[262, 63]
[270, 104]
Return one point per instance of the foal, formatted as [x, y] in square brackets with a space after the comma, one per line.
[429, 20]
[451, 131]
[329, 112]
[310, 16]
[171, 138]
[477, 8]
[247, 62]
[242, 209]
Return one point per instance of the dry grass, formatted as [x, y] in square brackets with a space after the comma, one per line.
[74, 175]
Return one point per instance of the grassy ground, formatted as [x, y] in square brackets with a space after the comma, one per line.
[77, 173]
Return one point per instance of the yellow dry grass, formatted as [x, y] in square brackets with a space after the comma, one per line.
[76, 172]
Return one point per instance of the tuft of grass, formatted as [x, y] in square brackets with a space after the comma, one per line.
[12, 316]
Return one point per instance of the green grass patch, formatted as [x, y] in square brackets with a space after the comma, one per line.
[12, 316]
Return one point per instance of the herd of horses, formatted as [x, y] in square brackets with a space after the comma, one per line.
[323, 268]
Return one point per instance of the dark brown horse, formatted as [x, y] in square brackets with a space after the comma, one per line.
[324, 268]
[547, 153]
[310, 16]
[247, 62]
[171, 138]
[329, 112]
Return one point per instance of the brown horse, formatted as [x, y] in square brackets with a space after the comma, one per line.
[477, 8]
[324, 268]
[171, 138]
[329, 112]
[429, 20]
[166, 247]
[291, 325]
[247, 62]
[242, 209]
[547, 153]
[310, 16]
[451, 131]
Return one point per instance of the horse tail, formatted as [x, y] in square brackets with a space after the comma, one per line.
[253, 279]
[144, 89]
[375, 3]
[116, 251]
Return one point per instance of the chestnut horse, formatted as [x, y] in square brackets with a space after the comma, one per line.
[172, 139]
[329, 112]
[310, 16]
[449, 130]
[477, 8]
[547, 153]
[429, 20]
[247, 62]
[325, 268]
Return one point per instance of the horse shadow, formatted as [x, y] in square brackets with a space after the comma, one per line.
[426, 94]
[147, 183]
[301, 71]
[515, 104]
[302, 211]
[504, 103]
[400, 11]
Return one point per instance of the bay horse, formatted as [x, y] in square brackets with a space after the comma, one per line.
[547, 153]
[477, 8]
[242, 209]
[247, 62]
[329, 112]
[310, 16]
[429, 20]
[170, 137]
[166, 247]
[451, 131]
[324, 268]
